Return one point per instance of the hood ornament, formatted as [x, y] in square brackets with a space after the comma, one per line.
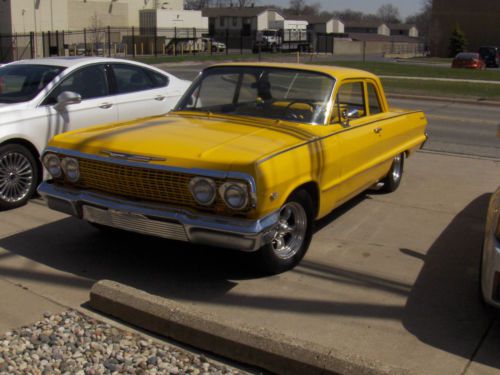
[132, 157]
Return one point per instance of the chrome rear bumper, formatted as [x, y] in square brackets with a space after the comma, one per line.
[161, 220]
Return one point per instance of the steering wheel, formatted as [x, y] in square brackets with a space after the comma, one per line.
[288, 109]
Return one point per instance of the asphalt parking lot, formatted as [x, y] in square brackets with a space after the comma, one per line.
[391, 279]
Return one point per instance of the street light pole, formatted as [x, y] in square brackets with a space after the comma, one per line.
[34, 17]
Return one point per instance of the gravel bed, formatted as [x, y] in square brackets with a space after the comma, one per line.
[72, 343]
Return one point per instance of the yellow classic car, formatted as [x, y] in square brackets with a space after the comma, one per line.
[251, 156]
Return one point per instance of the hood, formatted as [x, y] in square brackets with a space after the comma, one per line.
[8, 107]
[190, 141]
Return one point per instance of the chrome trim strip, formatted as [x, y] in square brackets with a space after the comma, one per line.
[192, 171]
[331, 135]
[230, 232]
[134, 157]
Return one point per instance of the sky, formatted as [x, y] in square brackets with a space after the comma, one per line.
[406, 7]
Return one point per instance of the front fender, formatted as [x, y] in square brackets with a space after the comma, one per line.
[280, 175]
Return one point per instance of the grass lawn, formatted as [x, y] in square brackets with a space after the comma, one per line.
[395, 86]
[410, 70]
[201, 58]
[445, 89]
[429, 60]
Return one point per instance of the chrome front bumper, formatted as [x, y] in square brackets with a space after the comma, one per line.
[161, 220]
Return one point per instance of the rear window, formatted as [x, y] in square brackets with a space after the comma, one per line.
[467, 56]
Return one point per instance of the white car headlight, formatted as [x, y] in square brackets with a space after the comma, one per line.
[235, 195]
[71, 169]
[203, 190]
[53, 164]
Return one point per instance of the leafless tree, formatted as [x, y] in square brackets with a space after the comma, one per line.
[389, 13]
[96, 27]
[422, 20]
[348, 15]
[196, 4]
[300, 7]
[243, 3]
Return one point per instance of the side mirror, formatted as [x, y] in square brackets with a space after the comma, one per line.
[66, 98]
[347, 116]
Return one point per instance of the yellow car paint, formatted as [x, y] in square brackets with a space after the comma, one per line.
[335, 161]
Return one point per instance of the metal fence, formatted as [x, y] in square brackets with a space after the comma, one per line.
[107, 41]
[133, 42]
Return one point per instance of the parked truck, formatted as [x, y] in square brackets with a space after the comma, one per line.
[284, 35]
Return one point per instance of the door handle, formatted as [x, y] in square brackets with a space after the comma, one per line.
[160, 98]
[377, 130]
[106, 105]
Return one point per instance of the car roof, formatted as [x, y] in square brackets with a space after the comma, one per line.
[336, 72]
[70, 61]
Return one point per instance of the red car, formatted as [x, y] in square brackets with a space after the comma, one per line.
[470, 60]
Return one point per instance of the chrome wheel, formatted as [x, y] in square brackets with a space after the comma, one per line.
[291, 231]
[397, 167]
[16, 177]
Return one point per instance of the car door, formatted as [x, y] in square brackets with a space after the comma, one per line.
[96, 107]
[391, 135]
[351, 146]
[141, 92]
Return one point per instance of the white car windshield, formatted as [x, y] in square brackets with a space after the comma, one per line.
[21, 83]
[276, 93]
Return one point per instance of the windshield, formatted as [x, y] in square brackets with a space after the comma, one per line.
[286, 94]
[21, 83]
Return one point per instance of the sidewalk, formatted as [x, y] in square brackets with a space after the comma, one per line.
[389, 278]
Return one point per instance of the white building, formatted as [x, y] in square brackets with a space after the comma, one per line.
[24, 16]
[320, 24]
[163, 19]
[367, 28]
[404, 30]
[249, 19]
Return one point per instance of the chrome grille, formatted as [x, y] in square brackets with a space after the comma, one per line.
[135, 222]
[140, 183]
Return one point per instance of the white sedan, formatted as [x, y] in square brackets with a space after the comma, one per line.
[43, 97]
[490, 263]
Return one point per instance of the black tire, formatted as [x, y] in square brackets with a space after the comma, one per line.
[19, 176]
[393, 178]
[271, 261]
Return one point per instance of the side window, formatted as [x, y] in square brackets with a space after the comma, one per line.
[90, 82]
[373, 100]
[159, 79]
[130, 78]
[349, 98]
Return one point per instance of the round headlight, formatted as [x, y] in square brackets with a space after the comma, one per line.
[53, 165]
[235, 195]
[203, 190]
[71, 169]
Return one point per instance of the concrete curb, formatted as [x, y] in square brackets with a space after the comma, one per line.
[255, 346]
